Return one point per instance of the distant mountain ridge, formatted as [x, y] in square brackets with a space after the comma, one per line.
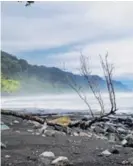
[34, 78]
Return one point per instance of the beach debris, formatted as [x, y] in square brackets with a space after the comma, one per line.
[63, 121]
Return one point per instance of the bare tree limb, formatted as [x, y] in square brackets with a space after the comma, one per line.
[86, 73]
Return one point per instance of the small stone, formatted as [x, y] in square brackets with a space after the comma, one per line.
[37, 133]
[121, 130]
[61, 161]
[112, 137]
[2, 145]
[115, 151]
[110, 129]
[7, 156]
[129, 139]
[130, 160]
[106, 153]
[46, 158]
[43, 135]
[48, 154]
[98, 129]
[17, 131]
[30, 130]
[75, 134]
[82, 134]
[16, 121]
[124, 142]
[125, 162]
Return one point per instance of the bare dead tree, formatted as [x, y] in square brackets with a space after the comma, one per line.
[93, 86]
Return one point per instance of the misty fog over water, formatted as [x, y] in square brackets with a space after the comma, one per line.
[64, 103]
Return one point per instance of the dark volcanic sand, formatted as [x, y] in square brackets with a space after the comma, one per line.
[24, 148]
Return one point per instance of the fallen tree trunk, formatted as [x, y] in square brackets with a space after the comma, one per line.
[31, 117]
[23, 116]
[81, 124]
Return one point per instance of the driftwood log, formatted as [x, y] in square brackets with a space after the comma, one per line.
[81, 123]
[31, 117]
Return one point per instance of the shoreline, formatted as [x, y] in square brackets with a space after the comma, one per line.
[24, 145]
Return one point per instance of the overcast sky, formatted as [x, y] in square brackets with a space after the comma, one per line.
[54, 33]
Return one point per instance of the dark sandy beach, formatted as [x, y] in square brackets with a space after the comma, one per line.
[24, 148]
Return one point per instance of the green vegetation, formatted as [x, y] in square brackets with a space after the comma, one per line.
[8, 85]
[23, 78]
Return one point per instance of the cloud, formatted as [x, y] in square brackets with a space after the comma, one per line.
[49, 24]
[120, 54]
[94, 27]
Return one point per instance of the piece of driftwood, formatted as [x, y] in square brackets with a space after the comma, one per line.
[31, 117]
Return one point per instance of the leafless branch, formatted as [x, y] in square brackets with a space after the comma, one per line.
[92, 84]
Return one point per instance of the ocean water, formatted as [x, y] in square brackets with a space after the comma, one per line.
[59, 103]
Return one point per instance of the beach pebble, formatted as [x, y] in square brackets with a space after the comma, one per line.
[115, 151]
[7, 156]
[98, 130]
[83, 134]
[48, 154]
[130, 160]
[106, 153]
[16, 121]
[129, 139]
[124, 142]
[29, 130]
[37, 133]
[61, 161]
[125, 162]
[121, 130]
[46, 158]
[43, 135]
[2, 145]
[75, 134]
[17, 131]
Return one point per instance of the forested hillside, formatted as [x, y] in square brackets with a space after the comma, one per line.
[36, 79]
